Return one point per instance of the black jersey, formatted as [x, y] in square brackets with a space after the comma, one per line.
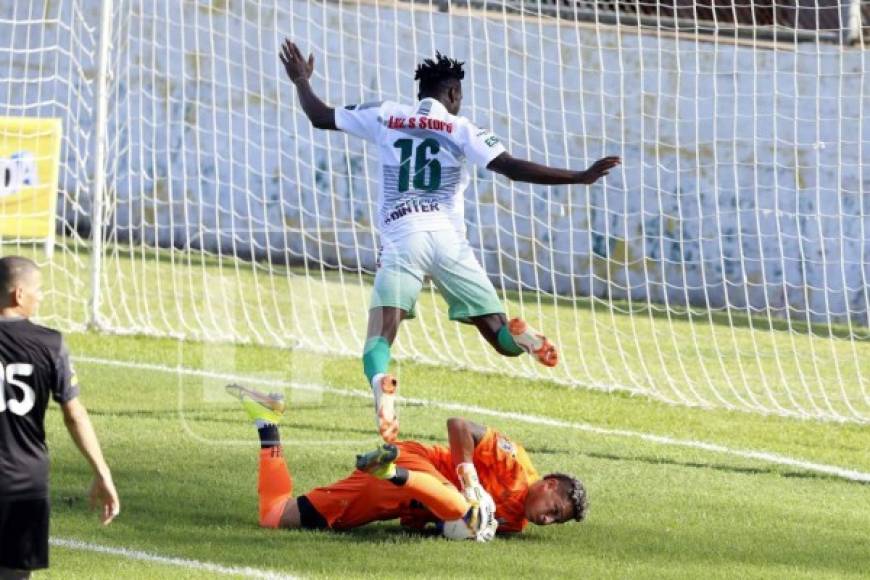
[34, 364]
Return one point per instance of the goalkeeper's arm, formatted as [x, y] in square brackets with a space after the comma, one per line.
[464, 437]
[521, 170]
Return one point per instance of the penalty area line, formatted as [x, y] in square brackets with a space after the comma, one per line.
[765, 456]
[186, 563]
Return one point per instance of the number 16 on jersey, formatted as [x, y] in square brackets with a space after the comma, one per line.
[427, 169]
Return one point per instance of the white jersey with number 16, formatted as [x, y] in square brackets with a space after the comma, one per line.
[423, 151]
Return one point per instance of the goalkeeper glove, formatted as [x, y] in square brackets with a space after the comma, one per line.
[477, 496]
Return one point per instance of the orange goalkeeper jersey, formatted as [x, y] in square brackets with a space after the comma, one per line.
[505, 471]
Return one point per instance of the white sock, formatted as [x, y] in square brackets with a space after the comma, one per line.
[376, 380]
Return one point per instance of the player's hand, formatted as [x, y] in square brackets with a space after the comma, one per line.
[486, 506]
[487, 530]
[294, 63]
[599, 169]
[105, 498]
[476, 495]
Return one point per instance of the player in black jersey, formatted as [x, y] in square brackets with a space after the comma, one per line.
[35, 365]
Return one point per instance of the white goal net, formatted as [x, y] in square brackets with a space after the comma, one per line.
[725, 264]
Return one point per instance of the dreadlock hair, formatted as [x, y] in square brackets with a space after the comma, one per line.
[437, 75]
[575, 491]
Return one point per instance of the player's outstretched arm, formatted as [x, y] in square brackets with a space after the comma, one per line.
[102, 492]
[299, 70]
[521, 170]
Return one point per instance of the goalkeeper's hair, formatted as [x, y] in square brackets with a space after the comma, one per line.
[575, 491]
[436, 75]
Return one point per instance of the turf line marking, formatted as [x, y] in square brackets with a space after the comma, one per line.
[169, 561]
[833, 470]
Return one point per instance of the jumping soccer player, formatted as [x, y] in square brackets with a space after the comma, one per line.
[415, 483]
[35, 366]
[423, 150]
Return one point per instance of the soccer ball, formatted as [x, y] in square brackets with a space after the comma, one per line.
[479, 525]
[457, 530]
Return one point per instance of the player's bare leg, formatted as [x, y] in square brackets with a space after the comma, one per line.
[382, 329]
[514, 337]
[493, 328]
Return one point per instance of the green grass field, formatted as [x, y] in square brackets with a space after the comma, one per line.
[185, 462]
[719, 359]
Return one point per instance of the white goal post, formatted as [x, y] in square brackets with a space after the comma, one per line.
[726, 263]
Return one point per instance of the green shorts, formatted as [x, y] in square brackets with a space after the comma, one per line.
[449, 260]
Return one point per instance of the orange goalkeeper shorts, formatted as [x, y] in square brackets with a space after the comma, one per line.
[362, 498]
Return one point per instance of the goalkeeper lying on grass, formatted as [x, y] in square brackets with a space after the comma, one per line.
[483, 481]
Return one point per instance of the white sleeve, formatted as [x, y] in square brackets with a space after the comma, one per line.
[480, 145]
[360, 120]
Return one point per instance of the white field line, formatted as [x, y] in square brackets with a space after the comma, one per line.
[841, 472]
[209, 567]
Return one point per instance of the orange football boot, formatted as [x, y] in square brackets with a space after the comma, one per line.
[533, 342]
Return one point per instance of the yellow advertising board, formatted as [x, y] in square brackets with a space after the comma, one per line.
[29, 165]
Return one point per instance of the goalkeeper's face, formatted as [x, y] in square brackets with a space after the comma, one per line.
[547, 503]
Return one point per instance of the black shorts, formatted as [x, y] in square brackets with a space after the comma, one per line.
[24, 534]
